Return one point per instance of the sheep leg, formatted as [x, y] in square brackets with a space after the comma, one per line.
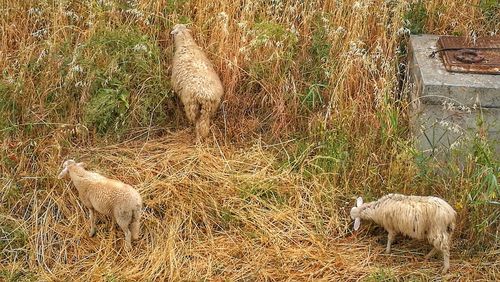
[203, 122]
[192, 110]
[92, 223]
[134, 225]
[390, 239]
[431, 253]
[443, 244]
[123, 219]
[446, 258]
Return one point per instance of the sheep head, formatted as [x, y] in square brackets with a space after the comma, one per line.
[66, 166]
[355, 213]
[178, 28]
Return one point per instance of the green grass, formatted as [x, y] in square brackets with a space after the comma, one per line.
[416, 17]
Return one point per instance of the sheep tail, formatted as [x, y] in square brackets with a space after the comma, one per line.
[134, 224]
[451, 227]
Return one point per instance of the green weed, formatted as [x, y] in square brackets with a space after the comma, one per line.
[265, 191]
[491, 11]
[13, 239]
[416, 17]
[17, 275]
[127, 83]
[9, 109]
[380, 275]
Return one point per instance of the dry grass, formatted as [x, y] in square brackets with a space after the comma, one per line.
[314, 115]
[208, 216]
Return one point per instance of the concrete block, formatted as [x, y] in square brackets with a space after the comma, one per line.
[437, 84]
[446, 106]
[437, 129]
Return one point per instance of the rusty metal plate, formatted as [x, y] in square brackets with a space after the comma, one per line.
[460, 54]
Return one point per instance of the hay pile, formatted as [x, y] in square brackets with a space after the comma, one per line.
[212, 212]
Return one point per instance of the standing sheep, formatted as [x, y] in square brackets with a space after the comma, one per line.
[195, 81]
[418, 217]
[108, 197]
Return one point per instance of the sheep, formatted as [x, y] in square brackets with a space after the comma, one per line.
[108, 197]
[418, 217]
[195, 81]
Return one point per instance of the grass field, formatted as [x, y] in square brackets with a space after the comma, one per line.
[315, 113]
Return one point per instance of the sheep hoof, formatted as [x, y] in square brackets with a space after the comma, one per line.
[92, 233]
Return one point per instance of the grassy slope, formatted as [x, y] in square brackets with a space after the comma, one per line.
[314, 115]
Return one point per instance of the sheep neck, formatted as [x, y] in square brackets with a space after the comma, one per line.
[368, 211]
[81, 178]
[184, 39]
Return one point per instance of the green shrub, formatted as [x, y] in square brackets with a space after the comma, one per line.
[128, 86]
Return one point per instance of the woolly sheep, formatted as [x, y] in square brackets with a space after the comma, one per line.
[195, 81]
[418, 217]
[108, 197]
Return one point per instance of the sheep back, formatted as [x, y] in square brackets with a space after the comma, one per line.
[193, 76]
[414, 216]
[106, 196]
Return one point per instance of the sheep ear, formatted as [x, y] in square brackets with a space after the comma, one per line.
[63, 173]
[359, 202]
[81, 164]
[357, 223]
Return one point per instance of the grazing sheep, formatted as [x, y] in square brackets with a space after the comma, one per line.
[195, 81]
[108, 197]
[418, 217]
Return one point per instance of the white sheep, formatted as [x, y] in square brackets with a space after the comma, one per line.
[108, 197]
[418, 217]
[195, 81]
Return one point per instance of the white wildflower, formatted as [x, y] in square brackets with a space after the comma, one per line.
[135, 12]
[242, 25]
[76, 68]
[448, 106]
[223, 17]
[42, 55]
[456, 129]
[357, 5]
[103, 3]
[403, 31]
[361, 5]
[340, 30]
[455, 144]
[444, 124]
[35, 11]
[72, 15]
[355, 49]
[140, 48]
[465, 109]
[39, 33]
